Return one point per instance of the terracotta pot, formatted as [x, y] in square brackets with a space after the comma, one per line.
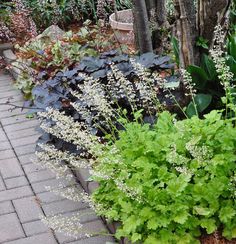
[123, 27]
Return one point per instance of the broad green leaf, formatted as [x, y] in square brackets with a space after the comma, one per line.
[208, 65]
[202, 101]
[199, 76]
[191, 110]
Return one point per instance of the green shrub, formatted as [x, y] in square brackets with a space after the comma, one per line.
[168, 183]
[64, 12]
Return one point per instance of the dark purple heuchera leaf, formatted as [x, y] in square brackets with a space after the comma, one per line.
[55, 90]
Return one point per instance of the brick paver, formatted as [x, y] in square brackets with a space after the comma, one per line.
[23, 197]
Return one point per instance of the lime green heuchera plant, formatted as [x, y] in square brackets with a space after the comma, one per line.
[169, 182]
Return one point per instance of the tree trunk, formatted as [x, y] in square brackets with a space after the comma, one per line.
[193, 22]
[141, 26]
[158, 19]
[186, 31]
[211, 13]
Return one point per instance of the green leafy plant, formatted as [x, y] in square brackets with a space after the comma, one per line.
[64, 12]
[47, 57]
[175, 45]
[61, 12]
[165, 180]
[170, 183]
[201, 42]
[207, 85]
[5, 9]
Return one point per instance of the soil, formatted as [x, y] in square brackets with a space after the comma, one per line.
[126, 20]
[215, 238]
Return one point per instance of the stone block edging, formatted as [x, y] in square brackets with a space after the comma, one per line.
[5, 46]
[10, 58]
[82, 175]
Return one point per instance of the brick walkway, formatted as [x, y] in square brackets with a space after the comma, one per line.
[23, 197]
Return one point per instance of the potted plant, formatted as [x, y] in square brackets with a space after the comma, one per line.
[122, 24]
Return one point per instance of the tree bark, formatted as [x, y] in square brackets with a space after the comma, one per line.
[157, 18]
[142, 28]
[211, 13]
[186, 32]
[191, 22]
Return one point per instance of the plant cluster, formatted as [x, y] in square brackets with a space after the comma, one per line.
[62, 13]
[165, 181]
[45, 56]
[205, 79]
[5, 33]
[170, 183]
[57, 92]
[16, 22]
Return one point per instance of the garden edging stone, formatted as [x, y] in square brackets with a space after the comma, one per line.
[5, 46]
[10, 58]
[89, 186]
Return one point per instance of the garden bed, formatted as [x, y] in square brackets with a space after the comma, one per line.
[152, 145]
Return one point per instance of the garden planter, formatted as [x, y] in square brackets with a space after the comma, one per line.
[123, 27]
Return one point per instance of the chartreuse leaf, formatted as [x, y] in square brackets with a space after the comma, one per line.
[209, 225]
[152, 240]
[181, 217]
[202, 211]
[230, 230]
[227, 213]
[152, 224]
[136, 237]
